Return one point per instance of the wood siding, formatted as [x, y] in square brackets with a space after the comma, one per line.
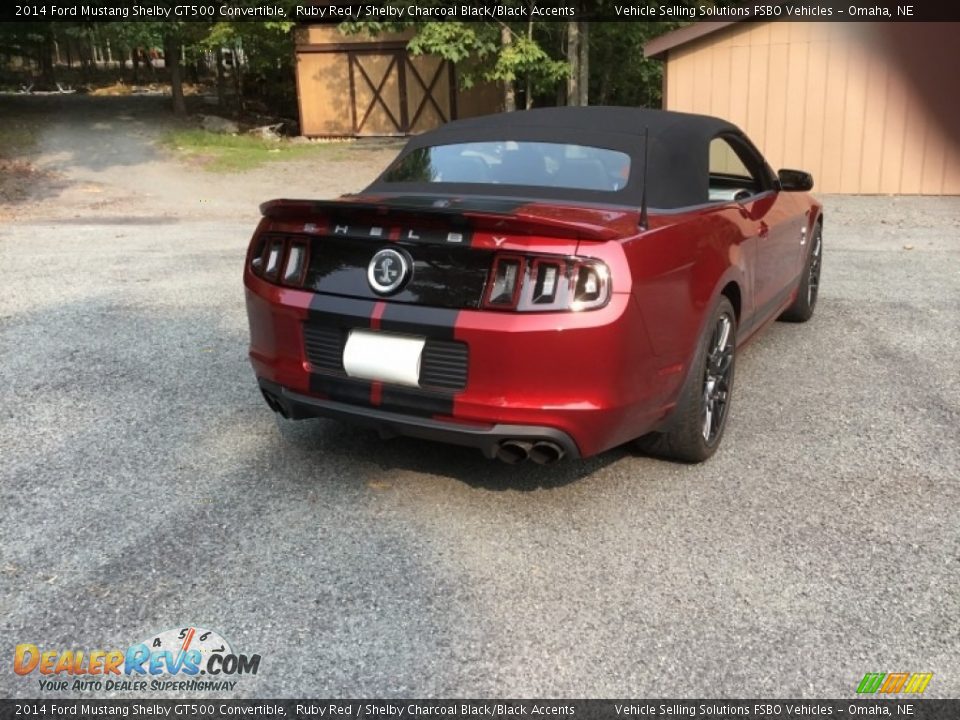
[354, 85]
[819, 97]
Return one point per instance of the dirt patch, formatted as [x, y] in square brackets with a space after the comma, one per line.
[20, 179]
[25, 187]
[105, 156]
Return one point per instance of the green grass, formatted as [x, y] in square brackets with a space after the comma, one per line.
[219, 152]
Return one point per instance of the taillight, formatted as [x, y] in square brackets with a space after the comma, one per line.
[295, 264]
[547, 276]
[532, 284]
[281, 260]
[505, 284]
[271, 267]
[591, 285]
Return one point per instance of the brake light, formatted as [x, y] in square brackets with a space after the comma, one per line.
[281, 260]
[532, 284]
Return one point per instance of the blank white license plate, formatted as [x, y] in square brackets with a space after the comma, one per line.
[381, 356]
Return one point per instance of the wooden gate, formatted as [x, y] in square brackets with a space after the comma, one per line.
[361, 86]
[393, 93]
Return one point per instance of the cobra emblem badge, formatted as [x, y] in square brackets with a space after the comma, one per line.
[388, 270]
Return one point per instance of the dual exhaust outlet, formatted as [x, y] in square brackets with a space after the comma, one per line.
[512, 452]
[542, 452]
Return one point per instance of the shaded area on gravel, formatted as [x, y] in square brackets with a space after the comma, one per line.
[103, 156]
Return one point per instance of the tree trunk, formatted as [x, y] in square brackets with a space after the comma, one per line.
[238, 78]
[84, 54]
[171, 51]
[46, 58]
[584, 64]
[221, 81]
[135, 63]
[148, 61]
[573, 59]
[194, 71]
[528, 99]
[509, 86]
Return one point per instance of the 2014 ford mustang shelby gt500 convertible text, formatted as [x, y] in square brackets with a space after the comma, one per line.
[536, 284]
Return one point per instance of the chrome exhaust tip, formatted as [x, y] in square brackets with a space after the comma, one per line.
[545, 453]
[513, 451]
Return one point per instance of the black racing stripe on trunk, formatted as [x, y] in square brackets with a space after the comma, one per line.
[415, 402]
[348, 390]
[431, 322]
[341, 311]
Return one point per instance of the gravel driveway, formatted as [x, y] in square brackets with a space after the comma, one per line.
[144, 484]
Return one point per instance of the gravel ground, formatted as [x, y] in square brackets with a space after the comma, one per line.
[144, 485]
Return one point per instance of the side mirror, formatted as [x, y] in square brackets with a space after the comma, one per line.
[795, 181]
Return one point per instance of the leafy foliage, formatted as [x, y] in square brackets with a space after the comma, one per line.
[619, 72]
[525, 56]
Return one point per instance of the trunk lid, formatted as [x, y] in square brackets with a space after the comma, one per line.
[451, 243]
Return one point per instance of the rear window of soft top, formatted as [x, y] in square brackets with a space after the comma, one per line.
[508, 162]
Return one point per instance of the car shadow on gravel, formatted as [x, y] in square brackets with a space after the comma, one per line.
[466, 465]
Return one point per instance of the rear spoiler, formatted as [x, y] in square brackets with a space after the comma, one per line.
[518, 222]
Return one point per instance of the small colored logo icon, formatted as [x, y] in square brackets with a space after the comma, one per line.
[893, 683]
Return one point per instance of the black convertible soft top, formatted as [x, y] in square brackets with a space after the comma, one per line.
[677, 162]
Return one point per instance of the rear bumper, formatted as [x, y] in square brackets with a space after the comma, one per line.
[486, 438]
[587, 381]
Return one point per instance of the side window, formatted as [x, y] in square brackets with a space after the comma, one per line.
[730, 178]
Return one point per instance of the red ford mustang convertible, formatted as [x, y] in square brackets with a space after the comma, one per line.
[540, 284]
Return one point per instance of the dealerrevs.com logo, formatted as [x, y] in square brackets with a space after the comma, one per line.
[189, 658]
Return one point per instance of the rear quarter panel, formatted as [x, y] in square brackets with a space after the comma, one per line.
[678, 268]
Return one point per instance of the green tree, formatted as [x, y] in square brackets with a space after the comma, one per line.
[32, 41]
[619, 72]
[262, 53]
[495, 51]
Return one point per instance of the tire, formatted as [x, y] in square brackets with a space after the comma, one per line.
[803, 306]
[691, 435]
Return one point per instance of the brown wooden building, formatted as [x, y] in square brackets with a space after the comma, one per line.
[868, 108]
[355, 85]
